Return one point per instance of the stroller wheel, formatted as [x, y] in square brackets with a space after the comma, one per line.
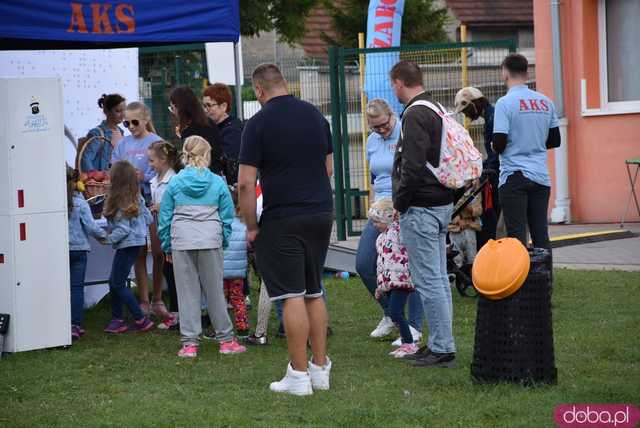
[453, 280]
[464, 285]
[466, 290]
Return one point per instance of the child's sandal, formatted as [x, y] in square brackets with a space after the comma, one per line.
[160, 310]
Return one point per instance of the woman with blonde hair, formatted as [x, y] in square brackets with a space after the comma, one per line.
[196, 216]
[135, 149]
[381, 147]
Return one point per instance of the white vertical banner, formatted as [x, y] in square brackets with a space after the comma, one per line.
[221, 63]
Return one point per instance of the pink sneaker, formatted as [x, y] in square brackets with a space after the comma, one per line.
[188, 351]
[232, 347]
[405, 349]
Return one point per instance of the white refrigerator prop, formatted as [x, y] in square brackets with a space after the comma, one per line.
[34, 245]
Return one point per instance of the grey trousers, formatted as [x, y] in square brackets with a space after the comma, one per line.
[197, 270]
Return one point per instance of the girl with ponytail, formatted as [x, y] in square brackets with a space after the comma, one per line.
[105, 137]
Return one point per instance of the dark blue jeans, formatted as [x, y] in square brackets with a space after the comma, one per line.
[77, 270]
[366, 263]
[397, 301]
[120, 294]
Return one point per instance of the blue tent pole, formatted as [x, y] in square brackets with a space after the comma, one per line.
[236, 59]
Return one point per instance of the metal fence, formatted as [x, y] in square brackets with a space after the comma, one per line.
[334, 87]
[446, 68]
[163, 68]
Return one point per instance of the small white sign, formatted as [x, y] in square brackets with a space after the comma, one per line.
[221, 63]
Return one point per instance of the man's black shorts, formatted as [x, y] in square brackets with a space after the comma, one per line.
[290, 254]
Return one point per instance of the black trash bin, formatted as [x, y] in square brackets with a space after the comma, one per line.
[514, 336]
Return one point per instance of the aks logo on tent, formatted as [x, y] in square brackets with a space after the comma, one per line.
[104, 17]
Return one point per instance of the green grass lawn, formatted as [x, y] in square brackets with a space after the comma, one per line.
[137, 380]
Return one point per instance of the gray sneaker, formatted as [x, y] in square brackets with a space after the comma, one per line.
[435, 360]
[256, 340]
[422, 352]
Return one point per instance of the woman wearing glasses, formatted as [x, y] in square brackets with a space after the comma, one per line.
[135, 149]
[192, 120]
[217, 103]
[381, 146]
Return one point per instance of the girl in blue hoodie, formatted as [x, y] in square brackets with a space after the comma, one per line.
[81, 225]
[129, 220]
[196, 214]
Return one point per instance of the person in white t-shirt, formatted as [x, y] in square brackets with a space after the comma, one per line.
[163, 159]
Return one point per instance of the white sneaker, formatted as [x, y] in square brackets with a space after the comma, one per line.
[416, 337]
[384, 328]
[320, 375]
[294, 382]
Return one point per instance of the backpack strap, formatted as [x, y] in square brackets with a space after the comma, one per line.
[436, 107]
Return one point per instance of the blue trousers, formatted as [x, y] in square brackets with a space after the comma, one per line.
[397, 301]
[77, 270]
[120, 294]
[424, 234]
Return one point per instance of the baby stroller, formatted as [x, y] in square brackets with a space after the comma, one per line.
[460, 276]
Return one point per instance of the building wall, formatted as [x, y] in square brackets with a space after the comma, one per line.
[266, 48]
[598, 145]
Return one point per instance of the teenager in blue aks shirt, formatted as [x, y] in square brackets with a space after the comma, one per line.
[525, 127]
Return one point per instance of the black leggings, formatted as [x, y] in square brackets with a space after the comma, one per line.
[167, 270]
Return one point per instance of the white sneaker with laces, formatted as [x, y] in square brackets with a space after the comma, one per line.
[294, 382]
[320, 375]
[417, 336]
[384, 328]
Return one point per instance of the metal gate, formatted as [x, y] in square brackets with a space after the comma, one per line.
[446, 68]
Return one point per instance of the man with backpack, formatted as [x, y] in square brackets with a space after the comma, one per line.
[425, 206]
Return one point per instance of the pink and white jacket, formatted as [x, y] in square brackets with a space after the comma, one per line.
[393, 262]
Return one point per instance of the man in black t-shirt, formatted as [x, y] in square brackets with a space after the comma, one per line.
[288, 143]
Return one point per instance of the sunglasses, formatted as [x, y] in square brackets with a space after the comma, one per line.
[129, 123]
[209, 105]
[382, 126]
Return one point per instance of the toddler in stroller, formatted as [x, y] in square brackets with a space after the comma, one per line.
[461, 239]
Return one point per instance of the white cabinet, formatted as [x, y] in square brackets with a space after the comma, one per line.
[33, 145]
[34, 248]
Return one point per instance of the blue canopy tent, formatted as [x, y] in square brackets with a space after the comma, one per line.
[85, 24]
[100, 24]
